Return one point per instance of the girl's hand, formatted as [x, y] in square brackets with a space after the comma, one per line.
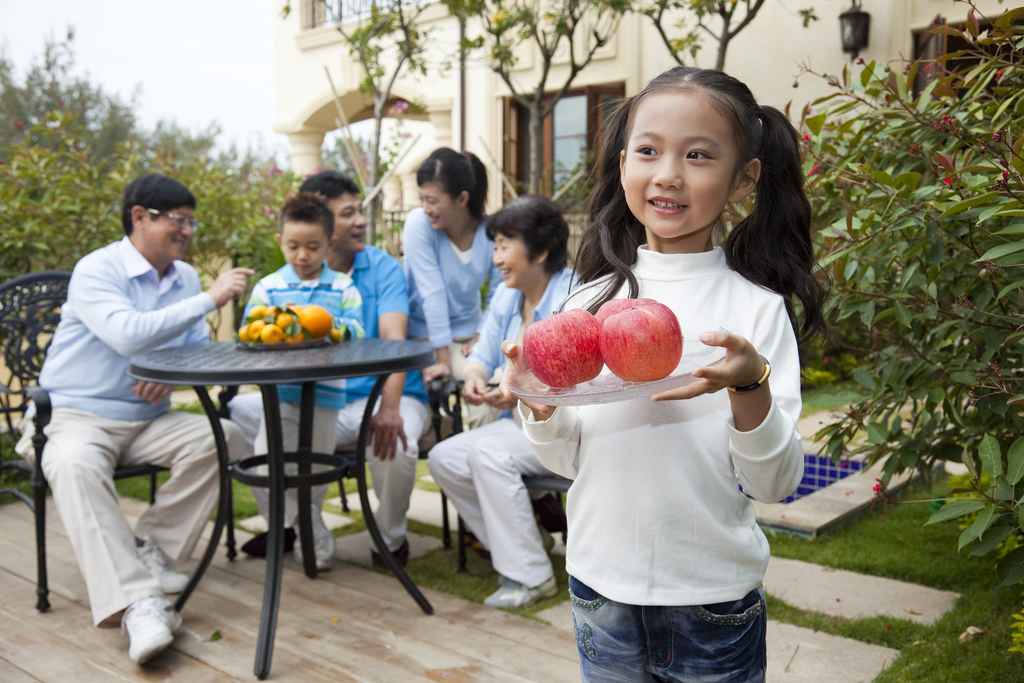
[499, 402]
[742, 366]
[514, 366]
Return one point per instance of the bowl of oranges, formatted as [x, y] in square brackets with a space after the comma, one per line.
[288, 327]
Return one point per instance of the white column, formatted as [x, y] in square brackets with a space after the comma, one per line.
[306, 146]
[439, 112]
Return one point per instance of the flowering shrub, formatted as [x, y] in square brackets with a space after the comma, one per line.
[921, 199]
[57, 204]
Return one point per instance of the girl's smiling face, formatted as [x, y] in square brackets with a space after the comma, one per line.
[680, 168]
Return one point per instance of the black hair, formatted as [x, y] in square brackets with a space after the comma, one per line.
[330, 184]
[537, 222]
[153, 191]
[457, 173]
[307, 207]
[771, 247]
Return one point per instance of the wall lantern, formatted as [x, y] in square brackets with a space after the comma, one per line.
[854, 25]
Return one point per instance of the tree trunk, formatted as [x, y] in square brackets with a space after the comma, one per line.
[373, 210]
[536, 147]
[723, 45]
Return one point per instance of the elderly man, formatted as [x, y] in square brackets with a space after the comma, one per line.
[401, 412]
[132, 296]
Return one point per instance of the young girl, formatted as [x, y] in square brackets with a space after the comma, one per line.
[665, 556]
[447, 260]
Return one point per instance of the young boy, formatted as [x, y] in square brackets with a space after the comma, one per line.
[305, 232]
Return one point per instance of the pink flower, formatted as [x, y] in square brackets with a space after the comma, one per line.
[62, 103]
[948, 181]
[999, 74]
[19, 124]
[913, 149]
[1005, 175]
[806, 138]
[267, 211]
[814, 169]
[927, 66]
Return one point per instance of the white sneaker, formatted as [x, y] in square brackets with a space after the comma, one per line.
[160, 566]
[323, 543]
[151, 623]
[514, 594]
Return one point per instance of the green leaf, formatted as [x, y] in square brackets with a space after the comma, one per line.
[1000, 251]
[1009, 288]
[991, 456]
[964, 377]
[953, 510]
[991, 540]
[1004, 491]
[975, 531]
[968, 460]
[863, 378]
[903, 314]
[1010, 569]
[1015, 400]
[815, 123]
[969, 203]
[215, 637]
[1015, 461]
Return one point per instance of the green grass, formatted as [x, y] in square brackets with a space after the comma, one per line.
[894, 543]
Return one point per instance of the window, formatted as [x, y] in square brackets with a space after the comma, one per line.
[572, 135]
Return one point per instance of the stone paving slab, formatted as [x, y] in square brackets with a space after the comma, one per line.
[258, 524]
[851, 595]
[356, 547]
[795, 654]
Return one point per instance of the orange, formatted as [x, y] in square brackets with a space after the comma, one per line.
[283, 320]
[243, 333]
[272, 333]
[335, 335]
[317, 321]
[258, 312]
[255, 329]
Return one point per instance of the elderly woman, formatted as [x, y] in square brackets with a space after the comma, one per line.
[481, 470]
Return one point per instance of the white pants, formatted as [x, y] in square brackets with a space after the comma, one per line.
[393, 480]
[481, 471]
[79, 459]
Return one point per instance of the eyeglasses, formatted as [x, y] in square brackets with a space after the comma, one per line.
[179, 219]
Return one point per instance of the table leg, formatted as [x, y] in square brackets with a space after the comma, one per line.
[224, 501]
[275, 531]
[306, 410]
[364, 498]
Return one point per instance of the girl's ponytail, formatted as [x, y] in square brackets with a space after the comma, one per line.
[478, 195]
[772, 246]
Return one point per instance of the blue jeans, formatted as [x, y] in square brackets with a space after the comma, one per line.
[618, 643]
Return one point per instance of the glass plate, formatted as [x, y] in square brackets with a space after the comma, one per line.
[607, 388]
[283, 345]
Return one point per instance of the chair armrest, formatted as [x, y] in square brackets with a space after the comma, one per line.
[225, 395]
[44, 409]
[453, 388]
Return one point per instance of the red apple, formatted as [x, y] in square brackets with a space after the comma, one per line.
[643, 342]
[565, 349]
[614, 306]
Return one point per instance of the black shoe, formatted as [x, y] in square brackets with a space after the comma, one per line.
[470, 540]
[401, 555]
[257, 545]
[549, 513]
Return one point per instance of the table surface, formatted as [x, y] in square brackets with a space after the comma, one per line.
[225, 363]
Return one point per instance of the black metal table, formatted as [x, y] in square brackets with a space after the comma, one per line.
[224, 363]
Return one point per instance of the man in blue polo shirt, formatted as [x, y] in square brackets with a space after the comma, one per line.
[132, 296]
[402, 410]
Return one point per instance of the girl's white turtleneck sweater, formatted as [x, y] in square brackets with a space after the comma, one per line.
[655, 514]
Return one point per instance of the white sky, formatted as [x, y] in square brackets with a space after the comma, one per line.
[196, 61]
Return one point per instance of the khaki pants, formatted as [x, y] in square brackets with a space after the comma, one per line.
[81, 454]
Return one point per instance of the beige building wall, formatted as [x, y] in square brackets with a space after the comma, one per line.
[768, 56]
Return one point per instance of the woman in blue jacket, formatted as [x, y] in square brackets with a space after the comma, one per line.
[481, 470]
[448, 260]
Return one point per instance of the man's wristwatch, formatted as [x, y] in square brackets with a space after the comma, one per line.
[756, 385]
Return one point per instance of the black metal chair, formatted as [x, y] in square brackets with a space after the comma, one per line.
[30, 307]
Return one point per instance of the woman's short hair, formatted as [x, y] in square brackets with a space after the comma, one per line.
[537, 222]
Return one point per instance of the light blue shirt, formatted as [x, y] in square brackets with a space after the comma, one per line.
[444, 292]
[118, 307]
[378, 276]
[504, 320]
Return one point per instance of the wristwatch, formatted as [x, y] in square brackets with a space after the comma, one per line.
[756, 385]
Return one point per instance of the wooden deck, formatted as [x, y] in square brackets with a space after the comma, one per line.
[348, 625]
